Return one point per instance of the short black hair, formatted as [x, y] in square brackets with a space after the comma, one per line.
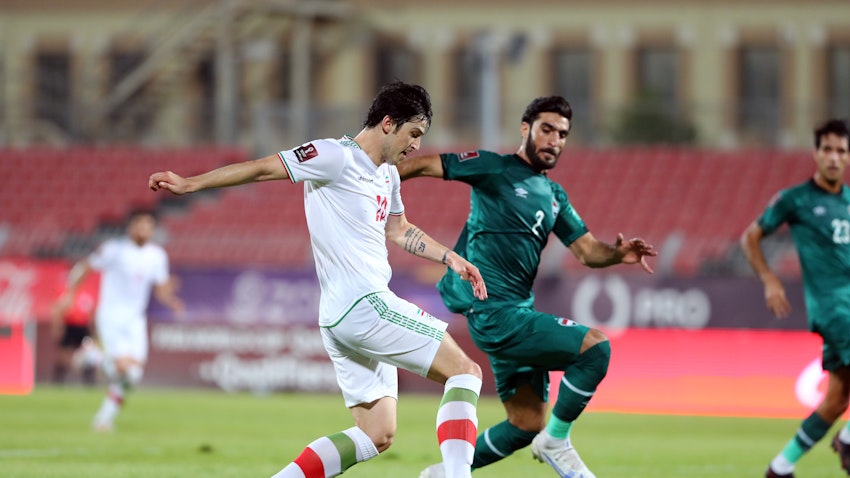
[834, 126]
[547, 104]
[400, 101]
[140, 211]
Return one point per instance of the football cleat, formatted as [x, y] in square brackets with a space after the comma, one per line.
[843, 451]
[564, 459]
[772, 474]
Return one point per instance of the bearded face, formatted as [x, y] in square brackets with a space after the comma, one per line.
[544, 140]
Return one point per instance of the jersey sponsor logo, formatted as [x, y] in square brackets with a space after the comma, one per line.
[819, 210]
[467, 156]
[520, 192]
[305, 152]
[565, 322]
[365, 179]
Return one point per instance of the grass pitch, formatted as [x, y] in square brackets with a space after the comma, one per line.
[183, 433]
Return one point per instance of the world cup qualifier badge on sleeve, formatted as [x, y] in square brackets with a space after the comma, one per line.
[305, 152]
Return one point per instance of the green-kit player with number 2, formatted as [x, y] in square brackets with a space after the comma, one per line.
[514, 208]
[818, 213]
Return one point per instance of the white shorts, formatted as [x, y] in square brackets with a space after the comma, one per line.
[123, 338]
[378, 334]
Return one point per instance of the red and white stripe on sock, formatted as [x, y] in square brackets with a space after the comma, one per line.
[331, 455]
[457, 423]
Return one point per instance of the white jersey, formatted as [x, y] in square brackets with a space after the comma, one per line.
[346, 200]
[128, 273]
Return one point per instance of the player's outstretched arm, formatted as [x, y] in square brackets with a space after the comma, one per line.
[774, 291]
[415, 241]
[166, 294]
[595, 253]
[263, 169]
[428, 165]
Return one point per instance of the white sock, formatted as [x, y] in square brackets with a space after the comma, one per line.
[107, 412]
[133, 375]
[781, 465]
[330, 456]
[844, 434]
[457, 424]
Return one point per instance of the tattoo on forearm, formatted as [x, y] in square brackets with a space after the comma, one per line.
[413, 241]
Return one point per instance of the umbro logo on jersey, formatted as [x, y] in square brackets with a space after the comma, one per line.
[522, 193]
[819, 210]
[467, 155]
[305, 152]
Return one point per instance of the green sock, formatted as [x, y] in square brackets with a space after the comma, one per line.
[792, 451]
[580, 381]
[810, 432]
[558, 428]
[499, 441]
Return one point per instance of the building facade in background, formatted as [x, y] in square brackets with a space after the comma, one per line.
[261, 74]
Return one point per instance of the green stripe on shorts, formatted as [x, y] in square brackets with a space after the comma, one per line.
[408, 323]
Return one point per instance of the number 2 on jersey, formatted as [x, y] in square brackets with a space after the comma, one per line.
[540, 216]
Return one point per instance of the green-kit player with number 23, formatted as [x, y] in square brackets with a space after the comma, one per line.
[514, 207]
[818, 213]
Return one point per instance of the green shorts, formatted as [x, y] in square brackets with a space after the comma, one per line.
[836, 340]
[524, 345]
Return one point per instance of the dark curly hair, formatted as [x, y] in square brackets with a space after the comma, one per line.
[547, 104]
[403, 102]
[833, 126]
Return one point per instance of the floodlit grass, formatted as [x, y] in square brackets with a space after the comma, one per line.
[188, 433]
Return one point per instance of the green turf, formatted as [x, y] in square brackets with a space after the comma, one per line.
[181, 433]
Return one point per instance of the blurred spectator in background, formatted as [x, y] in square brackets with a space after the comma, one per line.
[131, 267]
[71, 318]
[818, 213]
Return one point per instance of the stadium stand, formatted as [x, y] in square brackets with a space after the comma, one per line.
[59, 201]
[691, 204]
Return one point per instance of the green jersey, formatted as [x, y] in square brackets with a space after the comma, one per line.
[513, 209]
[820, 226]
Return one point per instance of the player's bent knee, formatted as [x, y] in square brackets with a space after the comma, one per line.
[472, 368]
[383, 442]
[593, 337]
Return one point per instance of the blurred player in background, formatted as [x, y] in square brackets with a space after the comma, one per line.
[71, 317]
[353, 205]
[514, 208]
[130, 268]
[818, 213]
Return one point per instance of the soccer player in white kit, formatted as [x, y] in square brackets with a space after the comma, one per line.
[131, 267]
[353, 205]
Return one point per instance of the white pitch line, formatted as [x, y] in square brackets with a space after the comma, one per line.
[42, 452]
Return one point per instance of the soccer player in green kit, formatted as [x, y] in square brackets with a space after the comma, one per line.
[514, 208]
[818, 213]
